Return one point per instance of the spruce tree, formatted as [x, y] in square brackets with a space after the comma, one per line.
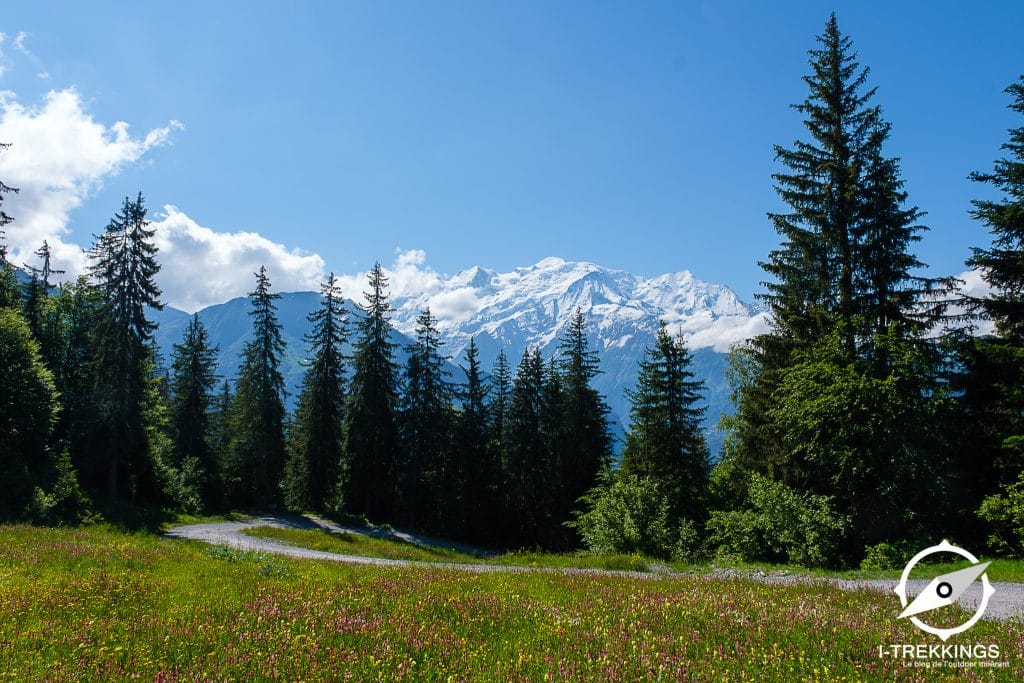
[426, 426]
[313, 474]
[37, 289]
[529, 472]
[4, 218]
[1002, 264]
[497, 409]
[192, 383]
[665, 442]
[124, 269]
[842, 295]
[994, 397]
[70, 348]
[221, 417]
[28, 411]
[257, 448]
[814, 268]
[586, 446]
[370, 426]
[476, 468]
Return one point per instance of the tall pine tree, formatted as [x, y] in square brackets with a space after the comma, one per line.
[846, 308]
[37, 290]
[994, 397]
[586, 446]
[257, 449]
[475, 464]
[124, 268]
[665, 441]
[497, 409]
[317, 436]
[371, 432]
[529, 472]
[192, 383]
[426, 430]
[4, 218]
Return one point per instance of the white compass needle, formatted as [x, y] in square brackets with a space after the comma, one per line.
[944, 590]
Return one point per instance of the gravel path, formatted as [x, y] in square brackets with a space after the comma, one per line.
[1006, 603]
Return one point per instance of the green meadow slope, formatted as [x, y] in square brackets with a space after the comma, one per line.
[100, 604]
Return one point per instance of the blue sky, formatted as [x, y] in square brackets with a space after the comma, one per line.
[635, 135]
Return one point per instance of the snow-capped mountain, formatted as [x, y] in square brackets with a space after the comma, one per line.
[529, 307]
[532, 305]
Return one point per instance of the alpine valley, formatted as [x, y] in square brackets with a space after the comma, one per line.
[527, 307]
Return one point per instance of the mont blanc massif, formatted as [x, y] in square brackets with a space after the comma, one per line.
[528, 307]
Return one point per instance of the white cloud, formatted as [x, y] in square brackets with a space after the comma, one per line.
[19, 44]
[455, 305]
[974, 285]
[407, 278]
[722, 332]
[59, 156]
[200, 266]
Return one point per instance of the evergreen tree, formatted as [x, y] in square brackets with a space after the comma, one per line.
[585, 448]
[9, 290]
[124, 268]
[257, 448]
[37, 289]
[994, 380]
[886, 290]
[370, 427]
[221, 418]
[1002, 264]
[28, 410]
[426, 425]
[317, 437]
[4, 218]
[842, 289]
[529, 471]
[69, 347]
[665, 441]
[497, 409]
[191, 388]
[476, 468]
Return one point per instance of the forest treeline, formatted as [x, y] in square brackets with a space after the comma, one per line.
[870, 418]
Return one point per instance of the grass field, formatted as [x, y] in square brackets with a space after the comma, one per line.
[357, 544]
[100, 604]
[367, 546]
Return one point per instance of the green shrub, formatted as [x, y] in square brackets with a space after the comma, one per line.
[184, 484]
[885, 556]
[688, 547]
[779, 524]
[64, 502]
[1005, 514]
[627, 515]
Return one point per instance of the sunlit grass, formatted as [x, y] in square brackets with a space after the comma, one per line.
[396, 549]
[359, 544]
[1002, 569]
[100, 604]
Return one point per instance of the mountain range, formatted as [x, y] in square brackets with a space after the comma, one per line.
[527, 307]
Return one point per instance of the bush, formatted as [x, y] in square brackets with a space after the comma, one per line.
[688, 542]
[627, 515]
[1005, 514]
[885, 556]
[185, 483]
[779, 524]
[64, 502]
